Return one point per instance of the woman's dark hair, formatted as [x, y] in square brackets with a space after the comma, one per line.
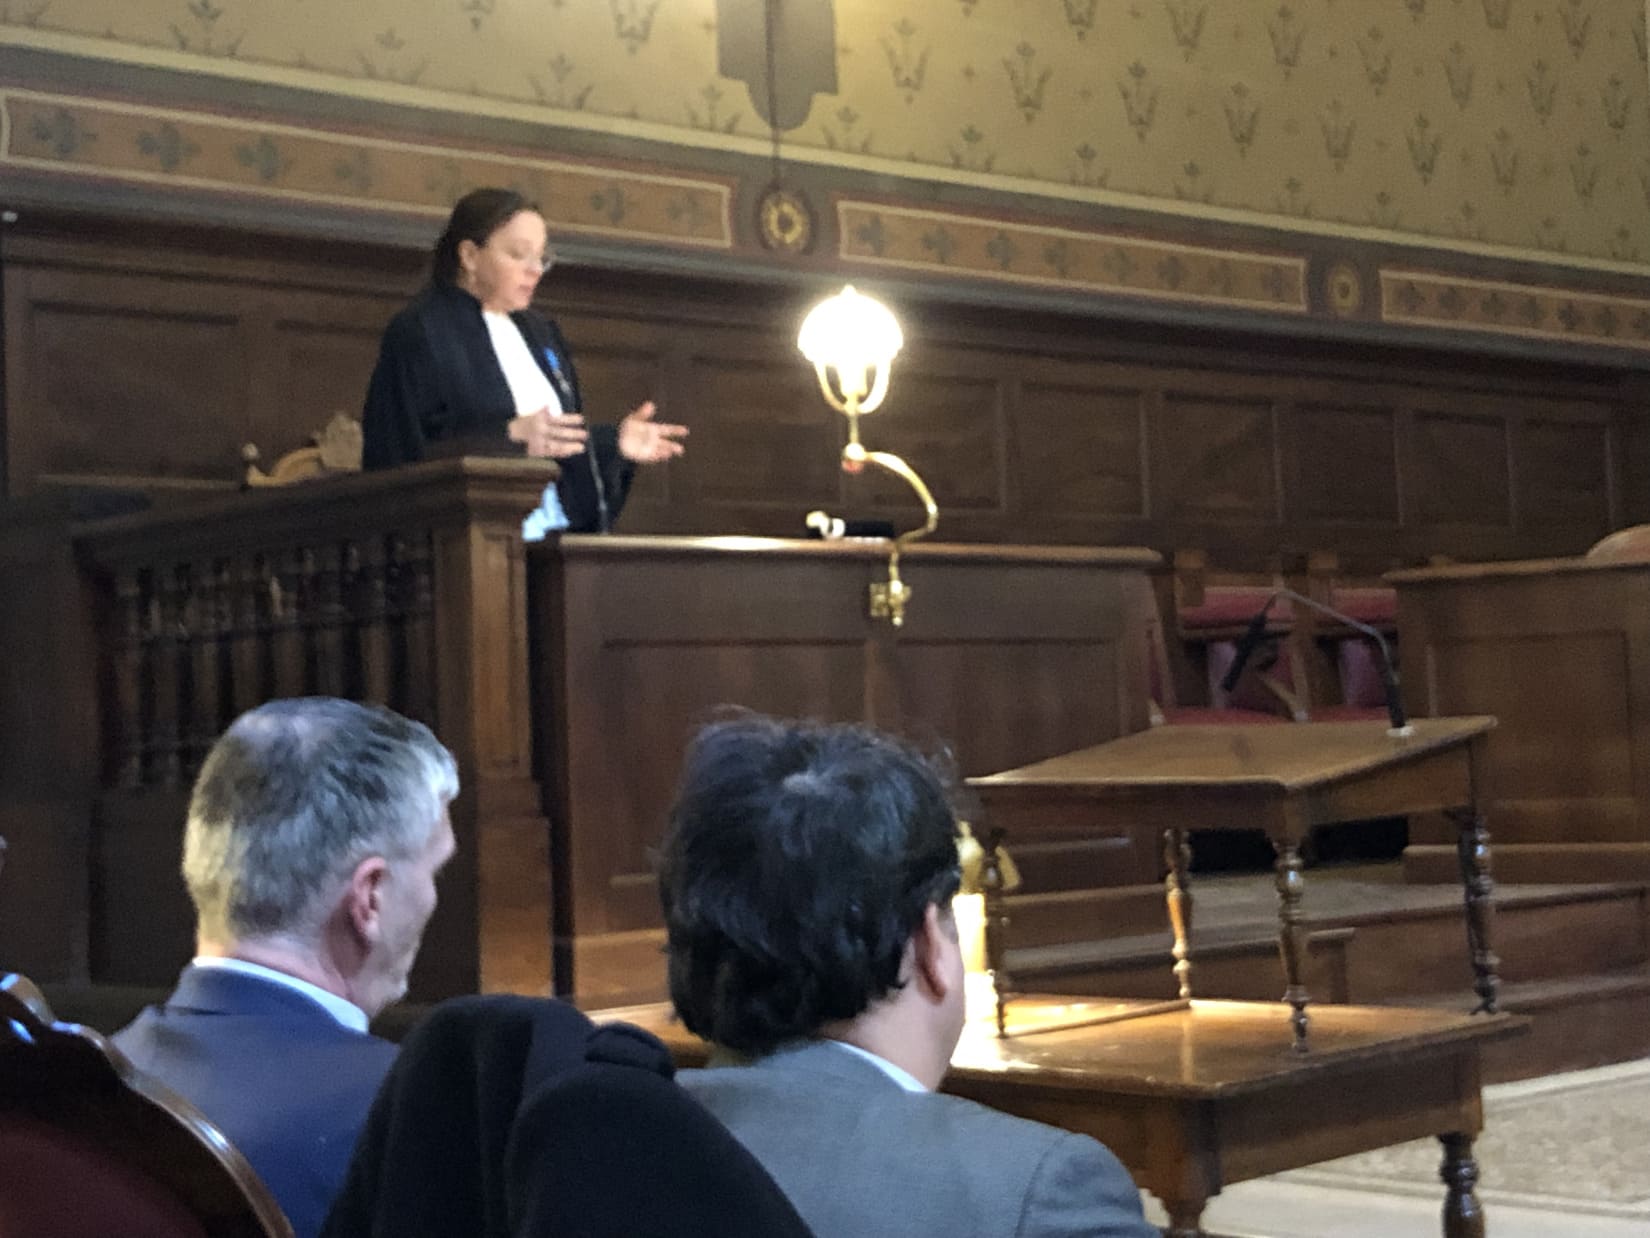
[799, 861]
[476, 216]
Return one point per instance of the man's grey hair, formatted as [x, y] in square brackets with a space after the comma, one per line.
[292, 797]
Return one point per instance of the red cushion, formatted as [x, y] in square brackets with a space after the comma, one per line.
[1227, 606]
[57, 1185]
[1372, 604]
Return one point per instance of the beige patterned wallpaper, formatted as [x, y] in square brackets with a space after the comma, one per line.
[1520, 126]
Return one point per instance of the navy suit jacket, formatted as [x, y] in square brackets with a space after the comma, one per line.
[285, 1081]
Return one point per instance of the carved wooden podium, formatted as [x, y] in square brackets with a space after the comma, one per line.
[566, 678]
[1007, 654]
[153, 630]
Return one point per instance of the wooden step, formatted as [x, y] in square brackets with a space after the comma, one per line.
[1576, 1023]
[1236, 964]
[1535, 862]
[1408, 940]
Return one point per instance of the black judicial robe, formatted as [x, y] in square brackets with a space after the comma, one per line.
[438, 390]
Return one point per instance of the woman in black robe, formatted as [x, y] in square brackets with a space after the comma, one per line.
[453, 379]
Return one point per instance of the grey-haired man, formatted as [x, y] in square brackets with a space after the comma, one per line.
[316, 829]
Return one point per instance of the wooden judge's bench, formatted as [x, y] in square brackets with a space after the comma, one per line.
[1558, 650]
[566, 677]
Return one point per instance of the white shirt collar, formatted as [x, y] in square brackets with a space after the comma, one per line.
[898, 1074]
[347, 1013]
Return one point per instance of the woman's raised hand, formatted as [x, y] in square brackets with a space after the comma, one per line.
[550, 434]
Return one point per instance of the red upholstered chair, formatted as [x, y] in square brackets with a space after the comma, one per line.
[1212, 610]
[1629, 545]
[89, 1147]
[1343, 665]
[1165, 706]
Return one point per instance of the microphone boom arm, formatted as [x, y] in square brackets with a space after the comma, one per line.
[1256, 632]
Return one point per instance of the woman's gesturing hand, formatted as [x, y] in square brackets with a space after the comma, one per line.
[646, 441]
[544, 433]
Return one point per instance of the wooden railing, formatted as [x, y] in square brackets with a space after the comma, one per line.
[405, 588]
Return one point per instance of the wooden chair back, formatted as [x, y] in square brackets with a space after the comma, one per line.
[334, 449]
[89, 1146]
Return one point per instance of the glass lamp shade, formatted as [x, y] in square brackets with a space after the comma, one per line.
[857, 336]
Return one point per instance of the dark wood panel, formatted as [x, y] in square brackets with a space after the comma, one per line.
[167, 374]
[1005, 657]
[1079, 449]
[1563, 470]
[951, 424]
[761, 435]
[1029, 427]
[1214, 459]
[1460, 467]
[1343, 464]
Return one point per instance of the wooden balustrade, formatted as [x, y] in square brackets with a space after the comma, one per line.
[405, 588]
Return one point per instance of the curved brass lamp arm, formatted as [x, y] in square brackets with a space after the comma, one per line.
[888, 601]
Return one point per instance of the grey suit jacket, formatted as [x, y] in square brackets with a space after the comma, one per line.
[861, 1157]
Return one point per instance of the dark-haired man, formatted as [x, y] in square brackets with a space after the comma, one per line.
[316, 829]
[807, 878]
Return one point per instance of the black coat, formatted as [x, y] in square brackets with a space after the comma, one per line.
[438, 390]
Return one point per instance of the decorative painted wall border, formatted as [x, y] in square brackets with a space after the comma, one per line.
[129, 142]
[1116, 263]
[1429, 299]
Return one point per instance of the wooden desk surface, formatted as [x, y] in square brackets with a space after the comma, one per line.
[1280, 759]
[1195, 1099]
[1210, 1051]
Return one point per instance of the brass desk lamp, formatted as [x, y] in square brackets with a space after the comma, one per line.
[854, 338]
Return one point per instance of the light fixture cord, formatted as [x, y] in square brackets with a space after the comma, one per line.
[772, 52]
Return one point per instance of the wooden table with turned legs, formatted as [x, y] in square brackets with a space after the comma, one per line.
[1195, 1099]
[1282, 780]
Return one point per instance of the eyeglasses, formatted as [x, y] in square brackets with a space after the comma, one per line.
[543, 261]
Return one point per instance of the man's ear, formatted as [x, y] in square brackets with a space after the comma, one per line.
[936, 935]
[364, 899]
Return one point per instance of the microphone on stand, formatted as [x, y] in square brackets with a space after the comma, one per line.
[1250, 641]
[1255, 633]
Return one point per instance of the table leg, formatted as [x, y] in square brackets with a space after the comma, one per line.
[1463, 1215]
[1185, 1218]
[1472, 848]
[1292, 936]
[1177, 860]
[996, 924]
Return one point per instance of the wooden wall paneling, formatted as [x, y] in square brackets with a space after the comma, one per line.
[199, 340]
[315, 354]
[130, 376]
[1215, 457]
[1461, 468]
[765, 445]
[1564, 471]
[1079, 442]
[622, 362]
[1341, 460]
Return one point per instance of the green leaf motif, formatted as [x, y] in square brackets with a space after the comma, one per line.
[62, 132]
[168, 146]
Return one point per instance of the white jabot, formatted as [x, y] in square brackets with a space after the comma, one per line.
[530, 389]
[347, 1013]
[898, 1074]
